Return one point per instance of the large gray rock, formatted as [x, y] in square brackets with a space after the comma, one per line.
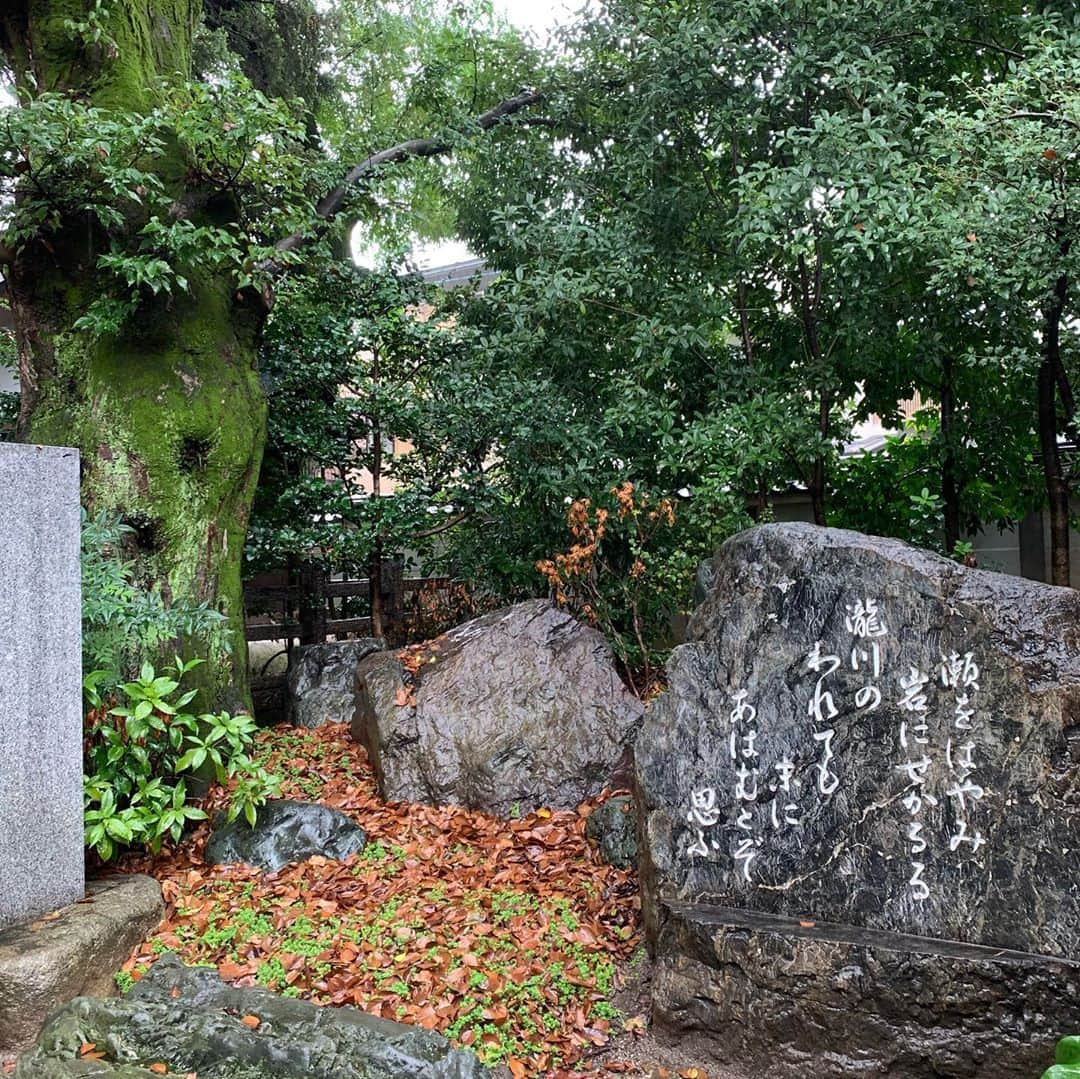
[41, 787]
[74, 952]
[189, 1020]
[322, 681]
[870, 736]
[285, 832]
[519, 709]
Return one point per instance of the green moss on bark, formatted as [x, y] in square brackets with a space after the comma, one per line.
[170, 420]
[169, 416]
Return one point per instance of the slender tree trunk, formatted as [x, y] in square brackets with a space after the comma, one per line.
[810, 295]
[169, 415]
[950, 491]
[817, 474]
[1057, 489]
[375, 571]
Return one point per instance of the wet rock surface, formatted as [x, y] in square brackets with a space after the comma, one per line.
[871, 735]
[190, 1021]
[285, 832]
[519, 709]
[791, 1001]
[867, 737]
[613, 826]
[321, 681]
[76, 950]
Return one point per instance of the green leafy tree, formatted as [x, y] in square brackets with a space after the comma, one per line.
[381, 424]
[754, 226]
[998, 203]
[155, 186]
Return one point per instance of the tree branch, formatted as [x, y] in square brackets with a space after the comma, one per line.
[444, 527]
[1051, 115]
[330, 204]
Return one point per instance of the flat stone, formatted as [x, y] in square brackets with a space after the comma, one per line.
[789, 999]
[189, 1020]
[284, 832]
[75, 951]
[519, 709]
[41, 767]
[322, 681]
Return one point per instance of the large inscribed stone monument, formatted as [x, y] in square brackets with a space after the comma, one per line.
[41, 800]
[861, 807]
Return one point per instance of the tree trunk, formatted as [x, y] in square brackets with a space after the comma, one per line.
[817, 473]
[1057, 490]
[375, 568]
[950, 491]
[810, 294]
[169, 415]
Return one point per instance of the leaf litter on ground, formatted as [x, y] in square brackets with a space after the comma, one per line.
[505, 936]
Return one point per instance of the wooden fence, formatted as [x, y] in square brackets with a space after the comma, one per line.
[309, 605]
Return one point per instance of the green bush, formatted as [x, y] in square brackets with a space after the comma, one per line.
[139, 758]
[125, 624]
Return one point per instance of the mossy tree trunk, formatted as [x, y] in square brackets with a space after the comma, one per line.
[169, 415]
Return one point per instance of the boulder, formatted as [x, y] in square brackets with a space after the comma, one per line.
[518, 709]
[878, 746]
[321, 681]
[190, 1021]
[613, 826]
[285, 832]
[72, 952]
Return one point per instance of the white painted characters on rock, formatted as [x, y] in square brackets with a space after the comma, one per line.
[864, 619]
[704, 813]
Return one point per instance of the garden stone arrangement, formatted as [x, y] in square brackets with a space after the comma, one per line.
[190, 1022]
[509, 712]
[322, 681]
[860, 814]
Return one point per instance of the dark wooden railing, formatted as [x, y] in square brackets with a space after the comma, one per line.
[309, 605]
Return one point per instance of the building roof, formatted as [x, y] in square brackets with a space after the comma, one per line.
[460, 274]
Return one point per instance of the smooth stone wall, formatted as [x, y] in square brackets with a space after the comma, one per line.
[41, 799]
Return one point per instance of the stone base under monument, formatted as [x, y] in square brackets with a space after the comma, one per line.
[72, 952]
[790, 999]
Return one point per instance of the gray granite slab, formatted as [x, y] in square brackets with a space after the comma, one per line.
[41, 800]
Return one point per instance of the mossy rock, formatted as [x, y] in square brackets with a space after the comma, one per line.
[1066, 1060]
[188, 1019]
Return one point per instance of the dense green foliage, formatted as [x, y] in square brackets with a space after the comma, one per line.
[141, 756]
[750, 227]
[369, 397]
[163, 165]
[126, 622]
